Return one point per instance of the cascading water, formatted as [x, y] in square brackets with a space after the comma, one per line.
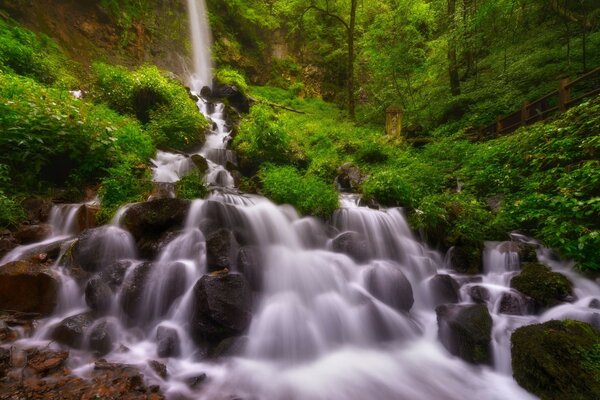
[201, 43]
[340, 312]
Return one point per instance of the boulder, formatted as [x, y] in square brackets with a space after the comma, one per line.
[151, 247]
[594, 303]
[98, 295]
[249, 263]
[153, 218]
[467, 258]
[133, 289]
[45, 361]
[466, 331]
[6, 333]
[28, 234]
[545, 287]
[219, 248]
[352, 244]
[98, 248]
[200, 163]
[7, 243]
[37, 209]
[349, 178]
[479, 294]
[50, 250]
[167, 341]
[114, 274]
[444, 289]
[527, 253]
[5, 363]
[515, 303]
[234, 96]
[222, 307]
[71, 331]
[557, 360]
[159, 368]
[86, 216]
[28, 287]
[389, 285]
[100, 338]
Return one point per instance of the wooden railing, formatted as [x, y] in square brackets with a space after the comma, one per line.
[568, 94]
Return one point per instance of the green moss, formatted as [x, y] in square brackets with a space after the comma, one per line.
[545, 287]
[229, 76]
[558, 360]
[191, 186]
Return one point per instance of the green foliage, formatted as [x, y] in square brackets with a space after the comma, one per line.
[36, 56]
[310, 195]
[229, 76]
[191, 186]
[160, 103]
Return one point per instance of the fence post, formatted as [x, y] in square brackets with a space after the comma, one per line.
[525, 113]
[564, 94]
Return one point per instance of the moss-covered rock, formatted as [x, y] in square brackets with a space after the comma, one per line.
[558, 360]
[545, 287]
[153, 218]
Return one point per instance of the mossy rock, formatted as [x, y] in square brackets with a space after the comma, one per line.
[558, 360]
[545, 287]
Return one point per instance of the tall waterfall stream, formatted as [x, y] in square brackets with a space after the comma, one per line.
[324, 325]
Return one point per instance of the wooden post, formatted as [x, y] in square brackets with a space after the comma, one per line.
[525, 113]
[564, 95]
[393, 121]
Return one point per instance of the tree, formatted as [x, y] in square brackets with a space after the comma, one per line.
[452, 59]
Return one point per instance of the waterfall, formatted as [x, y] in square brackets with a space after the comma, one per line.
[201, 42]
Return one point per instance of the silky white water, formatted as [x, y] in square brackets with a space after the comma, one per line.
[201, 44]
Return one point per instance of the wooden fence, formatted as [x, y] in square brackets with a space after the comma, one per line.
[568, 94]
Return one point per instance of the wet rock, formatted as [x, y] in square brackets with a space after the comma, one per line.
[444, 289]
[151, 247]
[86, 216]
[235, 97]
[153, 218]
[5, 363]
[159, 368]
[237, 177]
[98, 248]
[162, 190]
[200, 163]
[230, 347]
[222, 307]
[98, 295]
[71, 330]
[514, 303]
[114, 274]
[101, 341]
[119, 381]
[554, 360]
[527, 253]
[37, 209]
[43, 361]
[6, 333]
[50, 250]
[28, 287]
[479, 294]
[545, 287]
[196, 381]
[7, 243]
[466, 331]
[594, 303]
[27, 234]
[167, 340]
[349, 177]
[249, 263]
[219, 248]
[352, 244]
[133, 289]
[389, 285]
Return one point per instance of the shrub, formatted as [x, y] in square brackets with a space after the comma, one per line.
[230, 76]
[389, 188]
[191, 186]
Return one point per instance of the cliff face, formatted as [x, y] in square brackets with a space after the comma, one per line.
[156, 33]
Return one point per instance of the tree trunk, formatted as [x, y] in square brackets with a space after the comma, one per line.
[452, 62]
[351, 29]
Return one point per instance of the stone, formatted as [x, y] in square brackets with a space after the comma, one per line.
[167, 341]
[389, 285]
[101, 341]
[115, 273]
[153, 218]
[479, 294]
[6, 333]
[467, 259]
[7, 244]
[37, 209]
[196, 381]
[28, 234]
[151, 247]
[219, 248]
[249, 263]
[159, 368]
[515, 303]
[527, 253]
[235, 97]
[200, 163]
[349, 178]
[29, 288]
[42, 361]
[466, 331]
[98, 295]
[133, 290]
[97, 248]
[221, 307]
[545, 287]
[5, 362]
[352, 244]
[594, 303]
[444, 289]
[71, 331]
[557, 360]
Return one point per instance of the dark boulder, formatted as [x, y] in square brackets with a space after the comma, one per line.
[353, 245]
[98, 295]
[249, 263]
[545, 287]
[5, 361]
[153, 218]
[28, 287]
[132, 291]
[389, 285]
[114, 274]
[200, 163]
[349, 177]
[466, 331]
[27, 234]
[220, 246]
[515, 303]
[38, 209]
[150, 247]
[234, 96]
[222, 307]
[168, 344]
[159, 368]
[527, 253]
[479, 294]
[7, 242]
[100, 338]
[71, 331]
[98, 248]
[594, 303]
[557, 360]
[444, 289]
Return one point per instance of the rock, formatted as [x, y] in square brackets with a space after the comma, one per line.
[7, 244]
[200, 163]
[222, 307]
[27, 287]
[27, 234]
[167, 340]
[527, 253]
[557, 360]
[114, 274]
[467, 259]
[219, 248]
[153, 218]
[444, 289]
[545, 287]
[6, 333]
[43, 361]
[514, 303]
[162, 190]
[101, 341]
[71, 330]
[230, 347]
[389, 285]
[98, 248]
[195, 381]
[151, 247]
[159, 368]
[133, 290]
[466, 331]
[594, 303]
[37, 209]
[98, 295]
[352, 244]
[479, 294]
[5, 363]
[50, 250]
[234, 96]
[349, 178]
[249, 263]
[237, 177]
[86, 216]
